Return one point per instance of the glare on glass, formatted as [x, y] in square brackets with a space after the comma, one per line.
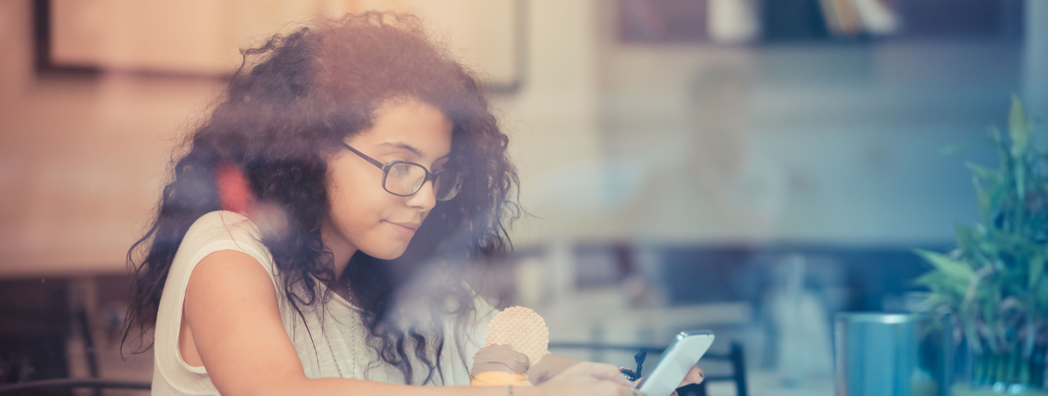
[402, 178]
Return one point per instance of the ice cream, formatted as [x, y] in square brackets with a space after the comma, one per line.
[517, 338]
[499, 358]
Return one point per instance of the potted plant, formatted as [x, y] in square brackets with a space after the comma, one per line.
[993, 286]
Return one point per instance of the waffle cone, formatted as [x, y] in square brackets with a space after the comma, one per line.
[522, 329]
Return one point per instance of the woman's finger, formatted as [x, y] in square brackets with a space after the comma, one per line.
[596, 371]
[694, 376]
[633, 388]
[607, 372]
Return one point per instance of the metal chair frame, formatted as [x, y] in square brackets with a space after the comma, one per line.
[73, 383]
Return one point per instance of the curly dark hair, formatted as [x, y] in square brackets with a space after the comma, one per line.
[291, 103]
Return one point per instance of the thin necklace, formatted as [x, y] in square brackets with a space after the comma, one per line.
[352, 336]
[338, 367]
[352, 344]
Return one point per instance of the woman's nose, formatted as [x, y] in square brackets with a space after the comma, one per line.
[425, 198]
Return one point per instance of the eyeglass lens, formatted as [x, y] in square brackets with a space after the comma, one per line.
[406, 179]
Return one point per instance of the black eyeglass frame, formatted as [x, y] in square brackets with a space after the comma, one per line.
[386, 167]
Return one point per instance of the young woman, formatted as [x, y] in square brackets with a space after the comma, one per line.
[317, 233]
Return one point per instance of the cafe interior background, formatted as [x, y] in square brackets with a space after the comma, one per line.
[749, 167]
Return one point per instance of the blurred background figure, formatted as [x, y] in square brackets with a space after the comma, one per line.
[731, 165]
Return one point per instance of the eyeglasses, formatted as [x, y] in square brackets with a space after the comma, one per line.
[404, 179]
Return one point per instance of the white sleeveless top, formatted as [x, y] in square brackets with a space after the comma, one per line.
[337, 347]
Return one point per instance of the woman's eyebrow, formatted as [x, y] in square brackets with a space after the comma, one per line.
[403, 146]
[408, 147]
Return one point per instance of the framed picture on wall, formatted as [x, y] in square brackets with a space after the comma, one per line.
[203, 38]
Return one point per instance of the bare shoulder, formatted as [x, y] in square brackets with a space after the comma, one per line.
[231, 271]
[232, 311]
[227, 285]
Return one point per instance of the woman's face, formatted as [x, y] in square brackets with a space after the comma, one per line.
[363, 215]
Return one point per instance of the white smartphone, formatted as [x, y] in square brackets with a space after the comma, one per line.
[675, 362]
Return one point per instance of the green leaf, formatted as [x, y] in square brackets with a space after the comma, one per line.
[966, 238]
[930, 303]
[997, 198]
[1002, 150]
[1041, 295]
[1012, 243]
[952, 268]
[983, 199]
[1020, 185]
[966, 144]
[1036, 270]
[991, 248]
[948, 289]
[985, 173]
[1018, 127]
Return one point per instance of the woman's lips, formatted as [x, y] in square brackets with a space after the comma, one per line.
[405, 228]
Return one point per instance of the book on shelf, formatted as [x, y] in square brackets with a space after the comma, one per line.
[855, 18]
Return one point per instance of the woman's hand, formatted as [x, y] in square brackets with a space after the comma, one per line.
[695, 376]
[588, 379]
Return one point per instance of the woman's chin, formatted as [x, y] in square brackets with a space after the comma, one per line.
[386, 252]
